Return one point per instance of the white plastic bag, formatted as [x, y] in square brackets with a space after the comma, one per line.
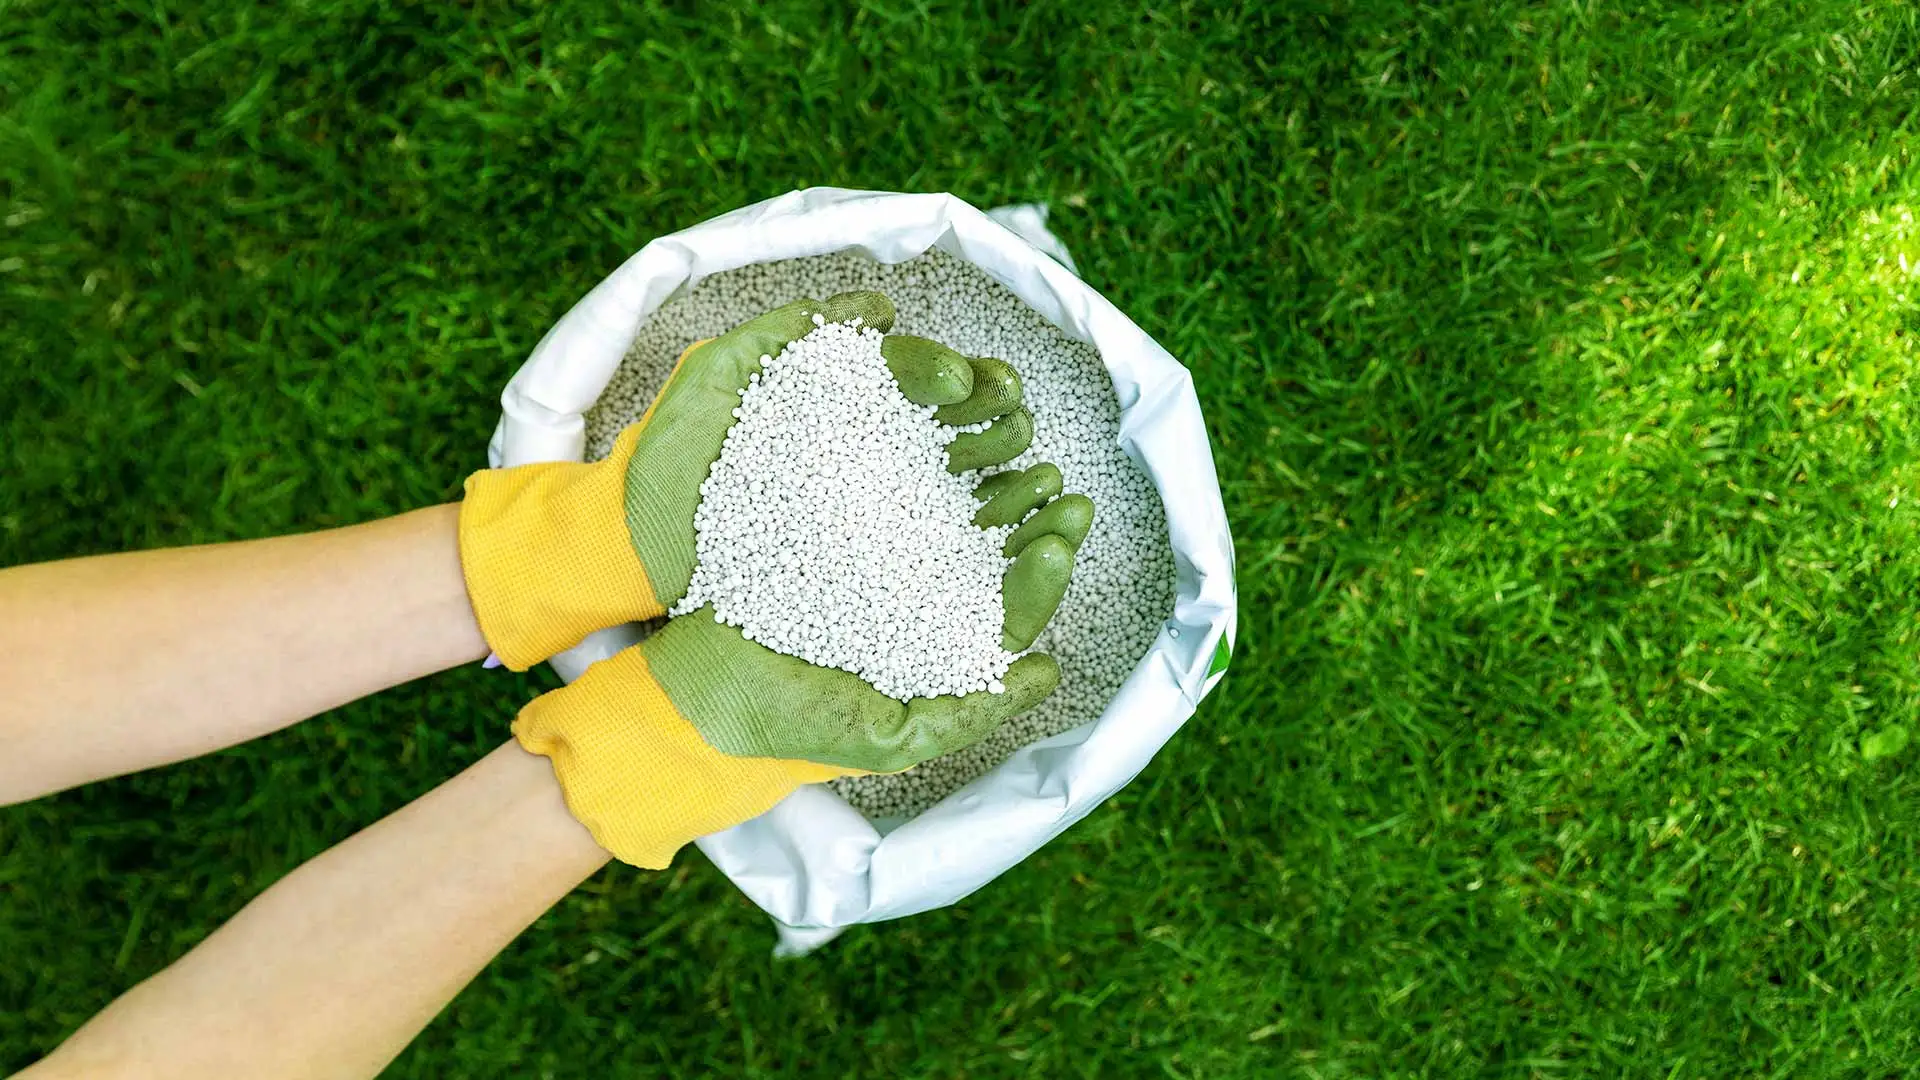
[813, 862]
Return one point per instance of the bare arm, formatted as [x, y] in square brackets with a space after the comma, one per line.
[120, 662]
[331, 971]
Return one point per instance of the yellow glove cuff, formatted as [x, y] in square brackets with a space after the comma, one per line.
[638, 775]
[547, 557]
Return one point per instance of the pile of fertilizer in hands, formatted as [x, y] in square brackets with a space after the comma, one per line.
[1123, 573]
[830, 529]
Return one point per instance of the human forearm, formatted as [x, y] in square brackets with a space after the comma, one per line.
[121, 662]
[331, 971]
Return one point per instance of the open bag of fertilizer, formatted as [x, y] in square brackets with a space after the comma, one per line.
[1147, 625]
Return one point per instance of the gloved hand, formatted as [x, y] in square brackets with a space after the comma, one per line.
[555, 551]
[697, 728]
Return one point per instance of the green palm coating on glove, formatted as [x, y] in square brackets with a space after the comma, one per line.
[1033, 588]
[1005, 439]
[928, 372]
[993, 394]
[1069, 517]
[750, 701]
[993, 486]
[1011, 496]
[995, 391]
[685, 429]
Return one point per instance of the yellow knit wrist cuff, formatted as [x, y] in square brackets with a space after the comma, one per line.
[637, 774]
[547, 557]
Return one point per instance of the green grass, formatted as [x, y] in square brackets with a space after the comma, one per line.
[1560, 364]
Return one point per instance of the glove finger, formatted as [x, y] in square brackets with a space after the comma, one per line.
[873, 309]
[1032, 588]
[928, 372]
[1011, 496]
[1003, 440]
[750, 701]
[995, 484]
[946, 724]
[1069, 517]
[995, 392]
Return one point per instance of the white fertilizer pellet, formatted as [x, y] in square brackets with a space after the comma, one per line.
[1123, 575]
[830, 529]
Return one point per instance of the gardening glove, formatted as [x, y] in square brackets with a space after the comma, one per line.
[697, 729]
[555, 551]
[722, 728]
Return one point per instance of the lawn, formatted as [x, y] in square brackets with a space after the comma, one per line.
[1557, 358]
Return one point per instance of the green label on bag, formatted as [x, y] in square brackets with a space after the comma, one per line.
[1222, 653]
